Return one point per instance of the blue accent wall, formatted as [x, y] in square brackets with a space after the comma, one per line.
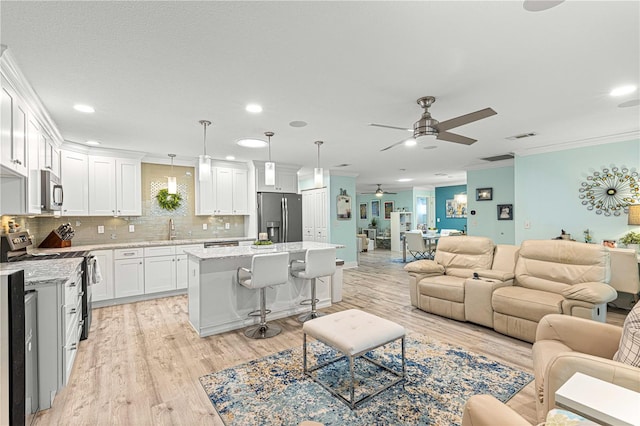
[547, 192]
[343, 231]
[444, 193]
[485, 222]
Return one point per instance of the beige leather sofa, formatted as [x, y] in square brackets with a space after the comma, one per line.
[553, 277]
[566, 345]
[515, 286]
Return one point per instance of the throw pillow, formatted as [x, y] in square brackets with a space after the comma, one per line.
[629, 349]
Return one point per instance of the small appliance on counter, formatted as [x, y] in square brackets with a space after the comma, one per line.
[60, 237]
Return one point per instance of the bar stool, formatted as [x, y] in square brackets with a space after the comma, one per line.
[266, 270]
[318, 262]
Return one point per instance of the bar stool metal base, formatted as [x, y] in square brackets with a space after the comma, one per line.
[310, 315]
[262, 331]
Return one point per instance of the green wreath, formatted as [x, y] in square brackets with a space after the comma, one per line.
[168, 201]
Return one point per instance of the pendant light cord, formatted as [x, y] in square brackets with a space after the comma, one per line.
[205, 123]
[268, 135]
[318, 143]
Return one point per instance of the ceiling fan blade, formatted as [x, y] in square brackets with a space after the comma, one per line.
[391, 127]
[465, 119]
[392, 145]
[452, 137]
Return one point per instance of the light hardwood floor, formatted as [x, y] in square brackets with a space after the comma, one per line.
[142, 361]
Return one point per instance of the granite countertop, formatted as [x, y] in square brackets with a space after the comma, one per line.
[244, 251]
[44, 272]
[128, 245]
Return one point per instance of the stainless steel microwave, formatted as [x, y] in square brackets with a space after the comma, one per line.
[51, 195]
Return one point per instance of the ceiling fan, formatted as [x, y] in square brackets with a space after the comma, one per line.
[427, 126]
[379, 192]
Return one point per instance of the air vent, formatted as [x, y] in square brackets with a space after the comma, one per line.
[441, 174]
[498, 157]
[342, 165]
[522, 136]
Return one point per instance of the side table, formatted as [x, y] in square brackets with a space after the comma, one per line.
[600, 401]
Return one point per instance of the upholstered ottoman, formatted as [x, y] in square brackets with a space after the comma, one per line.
[353, 333]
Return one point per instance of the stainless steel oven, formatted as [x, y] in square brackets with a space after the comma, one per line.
[51, 193]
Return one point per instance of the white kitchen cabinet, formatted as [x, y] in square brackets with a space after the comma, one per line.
[182, 264]
[104, 289]
[128, 272]
[159, 274]
[315, 215]
[102, 186]
[74, 176]
[286, 178]
[225, 192]
[114, 186]
[34, 137]
[49, 154]
[205, 195]
[13, 131]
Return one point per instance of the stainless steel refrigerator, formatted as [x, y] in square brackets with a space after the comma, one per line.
[280, 216]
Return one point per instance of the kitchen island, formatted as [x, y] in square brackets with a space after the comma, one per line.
[217, 303]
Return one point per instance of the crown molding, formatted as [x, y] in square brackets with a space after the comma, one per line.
[17, 80]
[581, 143]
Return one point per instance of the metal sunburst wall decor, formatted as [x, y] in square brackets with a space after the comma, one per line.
[610, 191]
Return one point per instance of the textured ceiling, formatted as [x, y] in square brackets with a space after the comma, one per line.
[153, 69]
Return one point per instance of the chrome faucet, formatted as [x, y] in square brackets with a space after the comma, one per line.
[172, 230]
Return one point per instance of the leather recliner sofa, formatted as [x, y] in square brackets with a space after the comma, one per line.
[515, 286]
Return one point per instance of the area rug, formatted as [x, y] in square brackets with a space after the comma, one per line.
[440, 378]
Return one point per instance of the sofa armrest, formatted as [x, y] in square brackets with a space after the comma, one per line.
[495, 274]
[566, 364]
[592, 292]
[485, 410]
[424, 267]
[581, 335]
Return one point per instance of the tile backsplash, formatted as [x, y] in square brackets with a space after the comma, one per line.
[153, 225]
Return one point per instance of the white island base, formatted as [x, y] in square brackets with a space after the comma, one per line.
[217, 303]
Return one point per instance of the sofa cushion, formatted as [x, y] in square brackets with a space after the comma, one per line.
[443, 287]
[629, 349]
[526, 303]
[464, 252]
[424, 267]
[552, 265]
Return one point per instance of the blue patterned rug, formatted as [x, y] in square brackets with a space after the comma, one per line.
[440, 378]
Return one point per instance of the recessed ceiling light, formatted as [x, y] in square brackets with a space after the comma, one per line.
[540, 5]
[631, 103]
[84, 108]
[230, 157]
[405, 180]
[255, 108]
[298, 124]
[94, 143]
[252, 143]
[410, 142]
[623, 90]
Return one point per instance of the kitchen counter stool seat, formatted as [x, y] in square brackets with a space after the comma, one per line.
[267, 270]
[317, 263]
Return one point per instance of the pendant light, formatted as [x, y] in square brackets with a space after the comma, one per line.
[172, 184]
[318, 173]
[204, 160]
[270, 166]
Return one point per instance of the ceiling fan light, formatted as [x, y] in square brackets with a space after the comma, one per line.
[623, 90]
[379, 193]
[410, 142]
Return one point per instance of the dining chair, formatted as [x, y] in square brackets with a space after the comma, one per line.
[416, 245]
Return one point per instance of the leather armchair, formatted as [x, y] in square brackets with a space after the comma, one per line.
[565, 345]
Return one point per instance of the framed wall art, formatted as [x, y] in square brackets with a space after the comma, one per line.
[343, 205]
[505, 211]
[363, 210]
[388, 208]
[455, 209]
[484, 194]
[375, 208]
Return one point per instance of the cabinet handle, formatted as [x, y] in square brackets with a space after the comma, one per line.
[47, 167]
[73, 284]
[80, 294]
[72, 311]
[140, 262]
[131, 253]
[72, 347]
[81, 323]
[118, 211]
